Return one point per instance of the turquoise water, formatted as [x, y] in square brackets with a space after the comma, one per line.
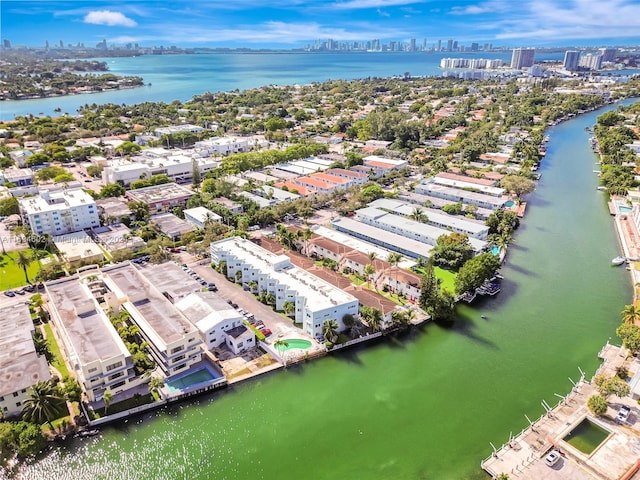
[296, 343]
[624, 209]
[202, 375]
[180, 77]
[495, 250]
[510, 204]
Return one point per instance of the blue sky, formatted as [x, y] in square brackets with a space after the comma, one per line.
[295, 23]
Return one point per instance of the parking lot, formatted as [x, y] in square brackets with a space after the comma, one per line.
[278, 325]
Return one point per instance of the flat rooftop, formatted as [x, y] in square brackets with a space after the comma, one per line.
[78, 246]
[170, 278]
[206, 310]
[354, 227]
[318, 293]
[453, 221]
[160, 193]
[420, 200]
[91, 333]
[160, 320]
[20, 365]
[460, 194]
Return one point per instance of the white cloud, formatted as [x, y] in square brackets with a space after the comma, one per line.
[358, 4]
[108, 17]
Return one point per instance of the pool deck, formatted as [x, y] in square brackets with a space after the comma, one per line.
[522, 457]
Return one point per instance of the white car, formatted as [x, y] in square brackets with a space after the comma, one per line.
[623, 414]
[552, 458]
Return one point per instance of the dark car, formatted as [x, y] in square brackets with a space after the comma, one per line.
[20, 292]
[9, 293]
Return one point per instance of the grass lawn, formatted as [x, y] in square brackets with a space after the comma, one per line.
[447, 277]
[57, 361]
[355, 280]
[12, 273]
[132, 402]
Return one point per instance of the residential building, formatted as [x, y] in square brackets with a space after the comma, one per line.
[409, 228]
[223, 145]
[186, 127]
[117, 238]
[522, 58]
[451, 223]
[218, 323]
[171, 225]
[174, 342]
[233, 207]
[20, 177]
[20, 364]
[198, 216]
[571, 60]
[401, 282]
[97, 356]
[60, 212]
[114, 210]
[161, 198]
[315, 300]
[466, 184]
[456, 195]
[178, 167]
[388, 240]
[591, 61]
[381, 165]
[20, 157]
[355, 178]
[78, 249]
[608, 54]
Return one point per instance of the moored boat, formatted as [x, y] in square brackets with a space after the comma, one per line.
[619, 260]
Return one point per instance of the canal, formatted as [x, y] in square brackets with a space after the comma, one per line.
[424, 405]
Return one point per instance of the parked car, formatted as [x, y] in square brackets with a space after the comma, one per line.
[552, 458]
[9, 293]
[20, 292]
[212, 289]
[623, 414]
[266, 332]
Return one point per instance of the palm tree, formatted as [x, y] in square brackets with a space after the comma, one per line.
[107, 396]
[375, 319]
[630, 314]
[394, 259]
[419, 216]
[330, 330]
[281, 346]
[305, 234]
[369, 271]
[372, 256]
[43, 405]
[155, 384]
[288, 307]
[24, 261]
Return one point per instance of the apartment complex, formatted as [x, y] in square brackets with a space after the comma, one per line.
[97, 355]
[161, 198]
[60, 212]
[315, 300]
[522, 58]
[20, 365]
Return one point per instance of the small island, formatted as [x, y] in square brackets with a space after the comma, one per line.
[26, 76]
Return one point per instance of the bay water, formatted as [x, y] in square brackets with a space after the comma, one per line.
[421, 405]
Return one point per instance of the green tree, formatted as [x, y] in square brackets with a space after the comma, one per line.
[611, 386]
[369, 271]
[429, 289]
[140, 210]
[330, 330]
[107, 396]
[630, 314]
[475, 271]
[23, 261]
[195, 175]
[155, 384]
[112, 190]
[281, 345]
[517, 184]
[630, 335]
[288, 308]
[597, 404]
[71, 391]
[43, 404]
[452, 250]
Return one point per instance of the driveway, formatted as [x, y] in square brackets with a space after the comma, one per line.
[279, 325]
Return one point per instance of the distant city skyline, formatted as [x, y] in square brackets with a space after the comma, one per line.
[300, 23]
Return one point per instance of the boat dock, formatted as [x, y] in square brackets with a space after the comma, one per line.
[522, 455]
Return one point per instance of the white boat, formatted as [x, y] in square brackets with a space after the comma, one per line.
[602, 189]
[619, 260]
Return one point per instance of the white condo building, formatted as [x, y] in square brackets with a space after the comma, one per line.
[60, 212]
[522, 58]
[178, 168]
[315, 300]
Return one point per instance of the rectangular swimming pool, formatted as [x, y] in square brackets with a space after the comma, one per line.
[202, 375]
[586, 436]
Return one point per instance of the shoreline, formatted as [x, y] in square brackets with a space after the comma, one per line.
[523, 451]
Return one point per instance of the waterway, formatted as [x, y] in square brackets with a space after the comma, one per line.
[180, 77]
[424, 405]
